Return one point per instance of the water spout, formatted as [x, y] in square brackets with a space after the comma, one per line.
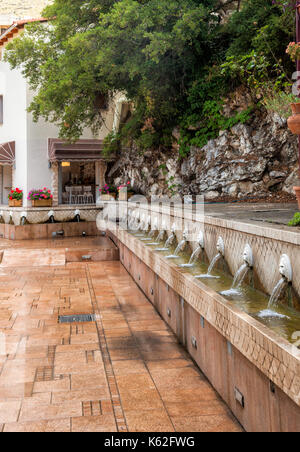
[131, 220]
[180, 247]
[134, 220]
[240, 276]
[195, 255]
[275, 295]
[136, 223]
[213, 263]
[10, 217]
[152, 232]
[51, 216]
[170, 239]
[285, 268]
[221, 253]
[242, 272]
[286, 271]
[23, 218]
[144, 225]
[159, 237]
[77, 215]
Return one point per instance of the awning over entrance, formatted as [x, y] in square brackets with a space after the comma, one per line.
[8, 153]
[91, 150]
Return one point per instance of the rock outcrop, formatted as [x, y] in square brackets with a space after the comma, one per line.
[254, 159]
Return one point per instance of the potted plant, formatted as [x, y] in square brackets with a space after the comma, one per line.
[15, 198]
[125, 192]
[108, 192]
[293, 50]
[40, 198]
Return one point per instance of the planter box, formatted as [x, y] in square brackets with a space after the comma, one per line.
[108, 197]
[42, 203]
[15, 203]
[297, 191]
[294, 120]
[123, 196]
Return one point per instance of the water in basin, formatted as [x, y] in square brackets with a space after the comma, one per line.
[283, 320]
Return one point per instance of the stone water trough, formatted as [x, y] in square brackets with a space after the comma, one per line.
[254, 367]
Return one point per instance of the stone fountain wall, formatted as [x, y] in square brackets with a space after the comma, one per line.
[268, 244]
[36, 215]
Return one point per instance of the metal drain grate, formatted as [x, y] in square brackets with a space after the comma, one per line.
[76, 318]
[86, 257]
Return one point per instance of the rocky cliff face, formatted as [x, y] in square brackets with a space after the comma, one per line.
[253, 160]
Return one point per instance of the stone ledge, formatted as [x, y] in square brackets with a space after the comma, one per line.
[39, 215]
[249, 228]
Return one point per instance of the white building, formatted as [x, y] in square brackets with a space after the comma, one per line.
[31, 155]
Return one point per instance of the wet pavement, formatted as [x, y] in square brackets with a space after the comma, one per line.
[124, 372]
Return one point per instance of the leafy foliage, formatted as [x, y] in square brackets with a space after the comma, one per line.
[175, 61]
[280, 103]
[296, 220]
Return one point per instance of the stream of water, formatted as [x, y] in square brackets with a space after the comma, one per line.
[273, 302]
[180, 247]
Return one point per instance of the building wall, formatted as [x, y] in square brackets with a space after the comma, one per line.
[14, 127]
[38, 171]
[7, 183]
[23, 8]
[39, 175]
[32, 168]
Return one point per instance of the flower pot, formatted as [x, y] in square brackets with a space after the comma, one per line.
[41, 203]
[109, 197]
[124, 196]
[297, 191]
[15, 203]
[294, 120]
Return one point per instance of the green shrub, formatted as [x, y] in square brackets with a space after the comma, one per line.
[296, 220]
[111, 143]
[280, 103]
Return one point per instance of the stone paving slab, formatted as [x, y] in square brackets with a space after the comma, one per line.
[33, 258]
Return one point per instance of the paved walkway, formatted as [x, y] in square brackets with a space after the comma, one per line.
[124, 372]
[270, 215]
